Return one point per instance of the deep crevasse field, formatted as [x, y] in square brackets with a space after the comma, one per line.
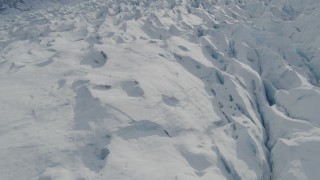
[150, 89]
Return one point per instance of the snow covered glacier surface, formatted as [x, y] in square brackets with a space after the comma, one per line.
[150, 89]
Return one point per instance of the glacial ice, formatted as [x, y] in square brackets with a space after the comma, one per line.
[150, 89]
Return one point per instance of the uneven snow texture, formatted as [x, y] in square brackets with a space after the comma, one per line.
[150, 89]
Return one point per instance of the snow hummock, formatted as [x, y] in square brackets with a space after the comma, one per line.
[147, 89]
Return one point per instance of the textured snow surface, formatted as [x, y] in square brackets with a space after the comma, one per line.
[150, 89]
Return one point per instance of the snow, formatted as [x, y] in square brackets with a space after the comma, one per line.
[147, 89]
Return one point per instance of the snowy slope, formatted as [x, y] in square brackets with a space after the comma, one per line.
[149, 89]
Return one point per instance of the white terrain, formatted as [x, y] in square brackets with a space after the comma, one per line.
[159, 89]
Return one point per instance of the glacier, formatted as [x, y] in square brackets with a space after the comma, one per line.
[150, 89]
